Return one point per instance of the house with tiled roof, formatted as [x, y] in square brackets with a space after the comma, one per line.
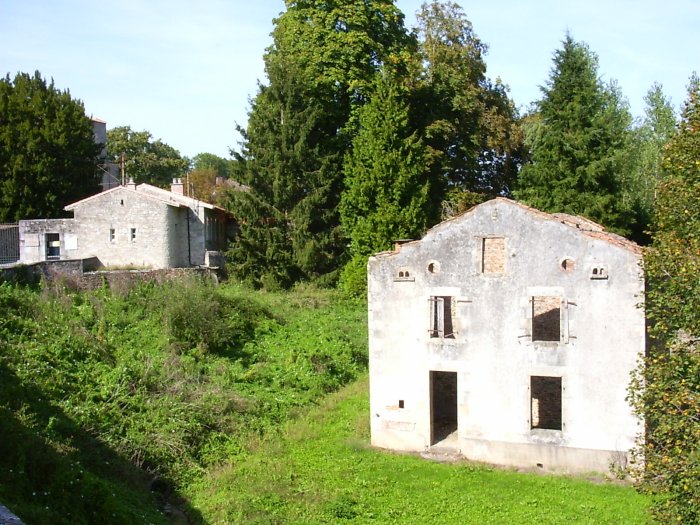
[132, 226]
[507, 335]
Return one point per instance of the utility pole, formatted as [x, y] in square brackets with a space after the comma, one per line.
[122, 168]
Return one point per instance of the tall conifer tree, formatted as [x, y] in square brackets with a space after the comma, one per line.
[386, 196]
[320, 66]
[48, 156]
[579, 142]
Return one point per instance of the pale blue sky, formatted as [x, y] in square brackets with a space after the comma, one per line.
[184, 70]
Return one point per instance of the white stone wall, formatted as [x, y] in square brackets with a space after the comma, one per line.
[128, 226]
[492, 351]
[33, 239]
[123, 228]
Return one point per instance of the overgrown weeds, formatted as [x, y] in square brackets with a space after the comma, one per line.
[154, 386]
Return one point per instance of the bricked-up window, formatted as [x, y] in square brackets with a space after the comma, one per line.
[546, 318]
[441, 317]
[545, 402]
[493, 255]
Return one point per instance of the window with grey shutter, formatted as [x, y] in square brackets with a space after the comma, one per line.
[441, 325]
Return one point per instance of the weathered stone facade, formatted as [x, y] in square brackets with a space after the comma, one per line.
[130, 226]
[508, 335]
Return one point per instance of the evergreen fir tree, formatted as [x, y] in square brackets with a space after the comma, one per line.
[322, 61]
[386, 196]
[288, 212]
[579, 143]
[48, 156]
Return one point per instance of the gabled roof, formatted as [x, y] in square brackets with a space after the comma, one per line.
[151, 192]
[581, 224]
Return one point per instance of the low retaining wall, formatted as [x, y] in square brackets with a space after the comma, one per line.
[82, 274]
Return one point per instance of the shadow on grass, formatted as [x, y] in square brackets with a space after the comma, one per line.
[52, 471]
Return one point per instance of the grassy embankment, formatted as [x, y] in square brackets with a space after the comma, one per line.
[319, 470]
[115, 406]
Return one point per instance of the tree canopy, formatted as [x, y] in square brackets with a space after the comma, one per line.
[579, 140]
[291, 167]
[145, 160]
[649, 138]
[48, 156]
[386, 193]
[667, 386]
[319, 68]
[469, 122]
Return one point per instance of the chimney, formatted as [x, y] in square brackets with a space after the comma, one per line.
[131, 184]
[177, 187]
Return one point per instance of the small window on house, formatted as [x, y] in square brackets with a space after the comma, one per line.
[132, 234]
[401, 405]
[112, 235]
[493, 254]
[546, 318]
[599, 272]
[545, 403]
[403, 275]
[441, 325]
[568, 265]
[433, 267]
[53, 246]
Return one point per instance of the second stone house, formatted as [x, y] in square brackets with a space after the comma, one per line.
[508, 335]
[132, 226]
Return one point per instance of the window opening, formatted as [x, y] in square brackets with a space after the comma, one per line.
[493, 254]
[433, 267]
[403, 275]
[401, 403]
[568, 265]
[545, 403]
[53, 246]
[546, 318]
[132, 234]
[599, 272]
[441, 317]
[112, 235]
[443, 405]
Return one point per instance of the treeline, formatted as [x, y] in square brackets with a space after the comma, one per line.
[366, 132]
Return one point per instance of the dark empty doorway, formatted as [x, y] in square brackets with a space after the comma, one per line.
[443, 405]
[53, 246]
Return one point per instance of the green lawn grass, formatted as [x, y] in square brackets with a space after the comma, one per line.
[320, 469]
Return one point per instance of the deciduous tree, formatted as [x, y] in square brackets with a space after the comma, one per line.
[211, 161]
[470, 123]
[146, 160]
[48, 156]
[666, 389]
[650, 137]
